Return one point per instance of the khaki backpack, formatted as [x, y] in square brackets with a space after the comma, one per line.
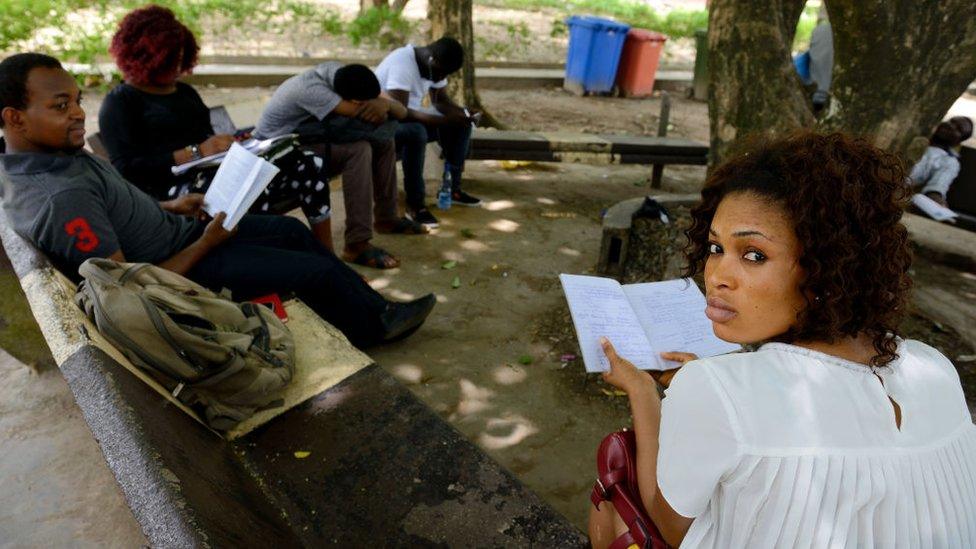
[224, 357]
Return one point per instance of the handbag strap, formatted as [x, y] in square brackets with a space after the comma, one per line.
[640, 531]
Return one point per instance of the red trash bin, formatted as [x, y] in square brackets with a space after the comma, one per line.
[639, 61]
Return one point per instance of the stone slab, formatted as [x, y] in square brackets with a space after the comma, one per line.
[942, 242]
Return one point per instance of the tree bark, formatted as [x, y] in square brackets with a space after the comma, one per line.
[898, 67]
[453, 18]
[753, 87]
[394, 5]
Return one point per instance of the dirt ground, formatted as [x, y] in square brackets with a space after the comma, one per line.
[501, 35]
[496, 359]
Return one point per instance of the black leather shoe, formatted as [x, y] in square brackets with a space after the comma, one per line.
[402, 319]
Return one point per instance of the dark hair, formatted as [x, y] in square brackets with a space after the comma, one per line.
[845, 199]
[14, 71]
[945, 136]
[965, 126]
[448, 53]
[356, 82]
[151, 43]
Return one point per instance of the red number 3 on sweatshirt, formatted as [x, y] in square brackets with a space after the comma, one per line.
[85, 239]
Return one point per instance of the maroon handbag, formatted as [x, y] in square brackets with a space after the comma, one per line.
[616, 465]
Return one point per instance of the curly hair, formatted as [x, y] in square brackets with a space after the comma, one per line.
[152, 47]
[845, 199]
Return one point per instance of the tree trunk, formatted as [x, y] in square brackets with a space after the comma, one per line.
[395, 5]
[453, 18]
[753, 87]
[898, 67]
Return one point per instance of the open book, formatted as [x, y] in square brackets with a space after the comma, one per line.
[239, 181]
[256, 146]
[641, 320]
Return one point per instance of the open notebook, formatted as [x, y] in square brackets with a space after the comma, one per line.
[641, 320]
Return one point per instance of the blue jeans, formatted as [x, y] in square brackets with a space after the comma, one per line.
[411, 144]
[278, 254]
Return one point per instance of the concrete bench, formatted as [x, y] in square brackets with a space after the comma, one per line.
[587, 148]
[382, 468]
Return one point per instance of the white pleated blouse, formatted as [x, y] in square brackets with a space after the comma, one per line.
[788, 447]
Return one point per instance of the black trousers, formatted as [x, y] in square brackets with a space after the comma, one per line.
[278, 254]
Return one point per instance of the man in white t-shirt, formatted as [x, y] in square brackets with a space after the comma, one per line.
[408, 74]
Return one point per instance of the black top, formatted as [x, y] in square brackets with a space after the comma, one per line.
[141, 130]
[76, 206]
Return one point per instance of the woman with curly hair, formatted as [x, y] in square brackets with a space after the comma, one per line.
[152, 122]
[835, 431]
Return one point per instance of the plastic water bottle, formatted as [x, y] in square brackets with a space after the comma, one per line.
[444, 195]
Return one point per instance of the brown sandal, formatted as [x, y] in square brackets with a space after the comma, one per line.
[372, 257]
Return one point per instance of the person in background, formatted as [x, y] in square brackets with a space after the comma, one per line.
[408, 75]
[934, 173]
[152, 122]
[836, 431]
[338, 112]
[74, 206]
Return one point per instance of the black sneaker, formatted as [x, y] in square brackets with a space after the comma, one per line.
[462, 198]
[424, 217]
[402, 319]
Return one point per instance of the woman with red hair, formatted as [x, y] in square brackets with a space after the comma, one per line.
[152, 122]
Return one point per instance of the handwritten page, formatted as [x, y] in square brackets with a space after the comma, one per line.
[600, 308]
[672, 314]
[239, 181]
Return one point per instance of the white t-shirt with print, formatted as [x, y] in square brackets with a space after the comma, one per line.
[789, 447]
[399, 71]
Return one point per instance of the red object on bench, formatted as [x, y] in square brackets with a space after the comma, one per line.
[616, 464]
[273, 302]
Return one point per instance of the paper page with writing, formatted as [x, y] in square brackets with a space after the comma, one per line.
[672, 314]
[600, 308]
[242, 176]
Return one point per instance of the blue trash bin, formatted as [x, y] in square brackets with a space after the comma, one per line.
[594, 53]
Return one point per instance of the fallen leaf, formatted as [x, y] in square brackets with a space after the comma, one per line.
[456, 283]
[302, 454]
[467, 233]
[449, 264]
[525, 359]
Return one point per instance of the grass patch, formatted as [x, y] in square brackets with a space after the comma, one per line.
[382, 26]
[675, 23]
[80, 30]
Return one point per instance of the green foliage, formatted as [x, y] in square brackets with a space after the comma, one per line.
[559, 28]
[381, 26]
[517, 39]
[80, 30]
[804, 28]
[676, 23]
